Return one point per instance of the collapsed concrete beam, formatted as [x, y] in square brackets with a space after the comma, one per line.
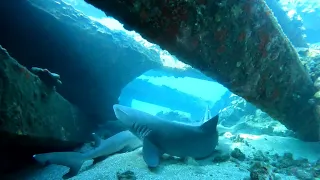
[238, 43]
[291, 26]
[33, 116]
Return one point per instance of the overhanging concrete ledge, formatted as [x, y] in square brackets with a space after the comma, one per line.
[238, 43]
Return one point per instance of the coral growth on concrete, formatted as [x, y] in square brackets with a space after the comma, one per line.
[32, 115]
[238, 43]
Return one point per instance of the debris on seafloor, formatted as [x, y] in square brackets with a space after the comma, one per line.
[236, 153]
[223, 157]
[127, 175]
[261, 170]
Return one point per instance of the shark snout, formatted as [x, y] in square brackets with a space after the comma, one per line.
[122, 114]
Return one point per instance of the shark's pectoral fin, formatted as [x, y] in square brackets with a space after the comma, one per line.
[151, 153]
[74, 169]
[99, 159]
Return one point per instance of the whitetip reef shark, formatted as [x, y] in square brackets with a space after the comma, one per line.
[161, 136]
[121, 142]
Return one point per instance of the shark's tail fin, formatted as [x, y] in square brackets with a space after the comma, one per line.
[73, 160]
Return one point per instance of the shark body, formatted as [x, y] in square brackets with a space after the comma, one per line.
[161, 136]
[121, 142]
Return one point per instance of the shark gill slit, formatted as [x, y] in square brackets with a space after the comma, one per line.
[135, 128]
[144, 130]
[141, 130]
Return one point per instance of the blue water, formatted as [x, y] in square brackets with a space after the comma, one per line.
[207, 90]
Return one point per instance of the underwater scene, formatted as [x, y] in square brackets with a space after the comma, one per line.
[160, 89]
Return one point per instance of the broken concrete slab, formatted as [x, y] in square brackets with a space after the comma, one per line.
[238, 43]
[276, 144]
[94, 62]
[33, 116]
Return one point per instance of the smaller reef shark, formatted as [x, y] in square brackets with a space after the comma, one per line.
[161, 136]
[121, 142]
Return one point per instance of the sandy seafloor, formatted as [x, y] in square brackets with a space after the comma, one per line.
[176, 169]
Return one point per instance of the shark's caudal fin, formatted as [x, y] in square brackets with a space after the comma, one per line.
[210, 125]
[73, 160]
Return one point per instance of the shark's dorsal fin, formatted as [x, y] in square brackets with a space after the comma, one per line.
[210, 125]
[97, 140]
